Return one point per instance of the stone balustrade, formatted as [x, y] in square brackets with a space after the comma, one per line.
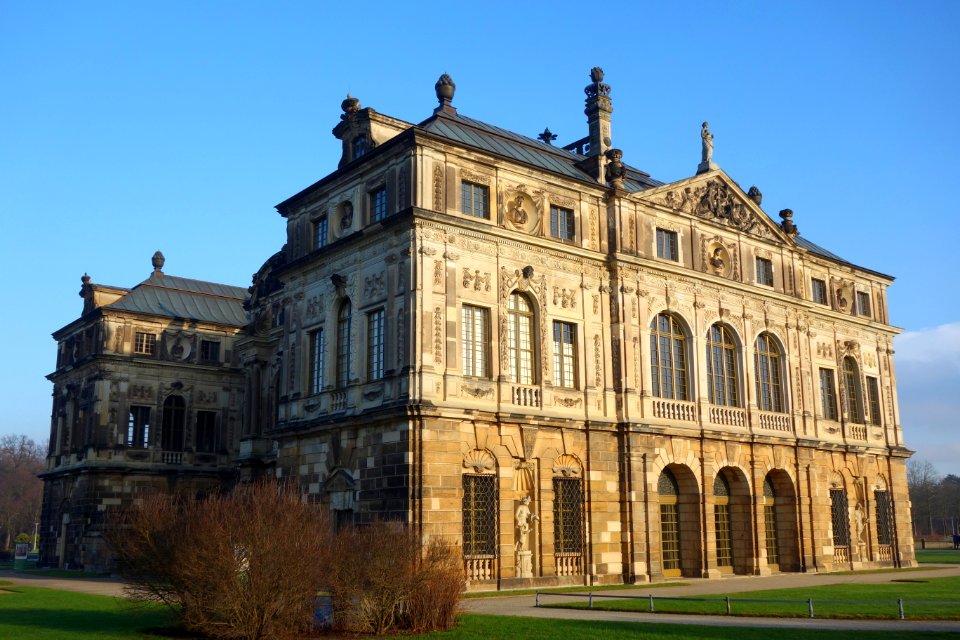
[480, 568]
[774, 421]
[525, 396]
[675, 410]
[728, 416]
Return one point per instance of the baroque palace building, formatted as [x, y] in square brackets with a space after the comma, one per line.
[576, 372]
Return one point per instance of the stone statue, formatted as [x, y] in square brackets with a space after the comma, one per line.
[525, 518]
[860, 520]
[707, 147]
[716, 261]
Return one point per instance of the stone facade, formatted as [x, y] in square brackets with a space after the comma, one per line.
[576, 372]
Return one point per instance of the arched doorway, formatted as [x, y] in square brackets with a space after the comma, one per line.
[779, 534]
[680, 548]
[733, 529]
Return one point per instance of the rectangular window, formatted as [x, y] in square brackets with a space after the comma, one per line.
[320, 232]
[840, 517]
[207, 431]
[568, 516]
[138, 427]
[316, 361]
[667, 245]
[863, 303]
[884, 517]
[479, 515]
[375, 345]
[764, 272]
[873, 397]
[359, 146]
[818, 289]
[562, 224]
[209, 351]
[565, 354]
[145, 344]
[475, 331]
[475, 199]
[378, 203]
[828, 394]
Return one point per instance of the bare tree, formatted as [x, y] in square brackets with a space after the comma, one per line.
[923, 482]
[21, 491]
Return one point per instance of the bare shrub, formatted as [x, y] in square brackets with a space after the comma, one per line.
[241, 565]
[382, 580]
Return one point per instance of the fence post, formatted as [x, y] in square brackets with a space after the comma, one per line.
[728, 604]
[538, 600]
[900, 607]
[810, 606]
[651, 603]
[590, 600]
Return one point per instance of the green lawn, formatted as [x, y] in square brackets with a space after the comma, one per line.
[912, 590]
[580, 589]
[33, 613]
[941, 556]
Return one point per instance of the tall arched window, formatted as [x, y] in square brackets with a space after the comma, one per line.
[668, 358]
[766, 359]
[174, 416]
[343, 344]
[520, 339]
[851, 389]
[722, 367]
[668, 490]
[723, 524]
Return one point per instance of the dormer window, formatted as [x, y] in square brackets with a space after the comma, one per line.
[359, 146]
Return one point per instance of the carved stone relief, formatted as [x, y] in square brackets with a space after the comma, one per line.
[717, 202]
[438, 336]
[315, 307]
[478, 178]
[479, 461]
[438, 273]
[438, 187]
[520, 210]
[597, 361]
[374, 286]
[565, 298]
[844, 294]
[479, 281]
[719, 257]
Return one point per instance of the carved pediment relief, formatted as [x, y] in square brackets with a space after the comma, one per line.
[718, 201]
[520, 209]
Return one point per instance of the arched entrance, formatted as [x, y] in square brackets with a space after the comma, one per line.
[780, 522]
[733, 531]
[680, 549]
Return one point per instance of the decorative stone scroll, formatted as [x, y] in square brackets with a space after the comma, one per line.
[717, 202]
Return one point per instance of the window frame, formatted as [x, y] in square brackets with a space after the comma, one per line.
[522, 339]
[668, 244]
[206, 346]
[376, 326]
[144, 343]
[138, 427]
[768, 363]
[212, 443]
[565, 354]
[378, 203]
[853, 390]
[563, 223]
[818, 291]
[344, 322]
[873, 399]
[317, 361]
[468, 200]
[764, 271]
[863, 304]
[828, 395]
[321, 231]
[723, 385]
[475, 349]
[674, 337]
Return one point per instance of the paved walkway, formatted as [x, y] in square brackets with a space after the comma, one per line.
[507, 605]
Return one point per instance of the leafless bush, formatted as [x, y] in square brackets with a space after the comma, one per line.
[241, 565]
[381, 581]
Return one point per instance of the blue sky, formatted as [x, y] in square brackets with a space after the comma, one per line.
[132, 126]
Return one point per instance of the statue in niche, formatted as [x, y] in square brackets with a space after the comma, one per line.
[716, 260]
[860, 520]
[525, 518]
[346, 217]
[707, 146]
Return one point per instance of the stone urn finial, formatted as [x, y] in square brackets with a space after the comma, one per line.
[157, 261]
[787, 224]
[596, 74]
[616, 170]
[350, 106]
[445, 88]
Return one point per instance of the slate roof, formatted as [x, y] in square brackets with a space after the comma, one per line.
[486, 137]
[175, 297]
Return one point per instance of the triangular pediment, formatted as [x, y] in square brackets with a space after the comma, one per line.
[714, 197]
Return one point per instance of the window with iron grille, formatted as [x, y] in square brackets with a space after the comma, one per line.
[764, 272]
[562, 223]
[818, 289]
[873, 395]
[722, 524]
[884, 517]
[145, 343]
[668, 355]
[828, 395]
[667, 246]
[520, 337]
[479, 515]
[138, 427]
[375, 345]
[475, 329]
[851, 389]
[766, 359]
[840, 517]
[320, 227]
[475, 199]
[668, 491]
[568, 515]
[206, 431]
[770, 523]
[863, 303]
[317, 348]
[722, 367]
[378, 203]
[209, 351]
[564, 354]
[343, 344]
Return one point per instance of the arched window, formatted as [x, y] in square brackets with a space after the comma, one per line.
[174, 416]
[520, 339]
[723, 523]
[770, 524]
[767, 362]
[668, 358]
[851, 389]
[722, 367]
[669, 523]
[343, 344]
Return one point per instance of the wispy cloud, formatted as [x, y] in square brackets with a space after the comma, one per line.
[939, 345]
